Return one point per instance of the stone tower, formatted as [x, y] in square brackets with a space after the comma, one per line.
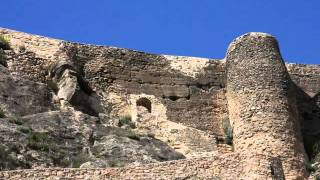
[261, 103]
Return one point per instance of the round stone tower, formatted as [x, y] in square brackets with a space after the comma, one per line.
[261, 103]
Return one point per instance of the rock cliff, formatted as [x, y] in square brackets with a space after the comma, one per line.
[69, 105]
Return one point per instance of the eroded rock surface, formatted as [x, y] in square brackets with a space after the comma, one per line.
[66, 104]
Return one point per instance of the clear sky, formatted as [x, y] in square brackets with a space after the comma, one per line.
[202, 28]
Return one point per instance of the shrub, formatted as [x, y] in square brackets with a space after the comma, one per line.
[60, 157]
[228, 132]
[115, 163]
[79, 159]
[8, 161]
[2, 114]
[126, 120]
[53, 86]
[39, 141]
[24, 129]
[3, 58]
[15, 120]
[4, 43]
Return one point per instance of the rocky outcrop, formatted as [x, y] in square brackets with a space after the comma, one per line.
[60, 123]
[110, 106]
[19, 96]
[70, 139]
[71, 88]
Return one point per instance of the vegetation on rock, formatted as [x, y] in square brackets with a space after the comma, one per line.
[2, 113]
[228, 131]
[39, 141]
[126, 120]
[53, 86]
[4, 43]
[15, 120]
[24, 129]
[8, 158]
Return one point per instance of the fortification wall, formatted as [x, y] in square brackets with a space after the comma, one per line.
[307, 77]
[230, 166]
[261, 102]
[192, 89]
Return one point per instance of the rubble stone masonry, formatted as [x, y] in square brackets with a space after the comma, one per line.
[261, 103]
[267, 102]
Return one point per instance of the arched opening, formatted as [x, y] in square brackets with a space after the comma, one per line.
[144, 102]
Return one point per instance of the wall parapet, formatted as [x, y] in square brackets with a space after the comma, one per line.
[227, 166]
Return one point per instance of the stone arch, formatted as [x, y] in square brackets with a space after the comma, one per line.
[144, 102]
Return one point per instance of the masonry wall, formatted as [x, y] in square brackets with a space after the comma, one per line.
[261, 103]
[230, 166]
[192, 89]
[307, 79]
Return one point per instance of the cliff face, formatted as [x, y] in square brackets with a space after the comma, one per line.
[100, 101]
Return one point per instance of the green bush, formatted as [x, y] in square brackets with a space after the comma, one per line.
[126, 120]
[15, 120]
[8, 161]
[60, 157]
[39, 141]
[115, 163]
[3, 58]
[228, 132]
[53, 86]
[4, 43]
[79, 159]
[24, 129]
[2, 113]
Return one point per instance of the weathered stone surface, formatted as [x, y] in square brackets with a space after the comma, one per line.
[79, 94]
[68, 139]
[228, 166]
[261, 102]
[22, 97]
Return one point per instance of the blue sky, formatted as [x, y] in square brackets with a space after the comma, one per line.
[201, 28]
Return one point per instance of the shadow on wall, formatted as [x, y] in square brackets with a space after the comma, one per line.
[144, 102]
[309, 108]
[70, 86]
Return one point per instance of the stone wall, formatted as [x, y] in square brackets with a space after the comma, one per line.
[261, 103]
[264, 102]
[192, 89]
[188, 99]
[231, 166]
[307, 79]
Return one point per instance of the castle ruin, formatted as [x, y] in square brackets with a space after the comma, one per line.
[270, 107]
